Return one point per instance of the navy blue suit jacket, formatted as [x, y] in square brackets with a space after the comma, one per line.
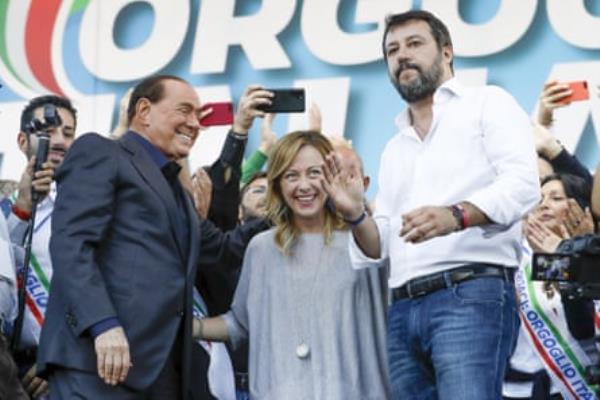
[116, 253]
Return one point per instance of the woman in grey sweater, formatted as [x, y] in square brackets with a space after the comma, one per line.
[316, 326]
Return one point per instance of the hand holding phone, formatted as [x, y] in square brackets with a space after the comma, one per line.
[579, 91]
[222, 114]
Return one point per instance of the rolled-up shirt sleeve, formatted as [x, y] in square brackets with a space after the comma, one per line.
[508, 144]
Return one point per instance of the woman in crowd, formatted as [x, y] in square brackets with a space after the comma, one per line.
[316, 326]
[555, 341]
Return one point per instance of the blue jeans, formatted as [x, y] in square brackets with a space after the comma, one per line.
[453, 343]
[241, 395]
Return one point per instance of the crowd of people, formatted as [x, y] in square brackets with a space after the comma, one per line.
[146, 280]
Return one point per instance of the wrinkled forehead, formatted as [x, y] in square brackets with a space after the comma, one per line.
[180, 92]
[405, 30]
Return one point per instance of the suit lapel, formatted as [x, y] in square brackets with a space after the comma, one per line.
[150, 172]
[194, 228]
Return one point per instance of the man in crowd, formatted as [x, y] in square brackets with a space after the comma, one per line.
[453, 185]
[10, 387]
[126, 244]
[18, 210]
[253, 197]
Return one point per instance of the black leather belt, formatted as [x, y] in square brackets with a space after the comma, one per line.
[424, 285]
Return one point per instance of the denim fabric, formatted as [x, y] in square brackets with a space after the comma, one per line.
[241, 395]
[453, 343]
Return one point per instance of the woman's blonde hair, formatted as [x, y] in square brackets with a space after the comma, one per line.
[278, 212]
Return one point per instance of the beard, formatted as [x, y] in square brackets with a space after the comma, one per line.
[421, 87]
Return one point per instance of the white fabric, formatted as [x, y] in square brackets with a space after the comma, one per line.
[221, 379]
[40, 249]
[479, 149]
[525, 357]
[8, 291]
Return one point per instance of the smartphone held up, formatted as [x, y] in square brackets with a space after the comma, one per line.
[222, 114]
[286, 101]
[579, 92]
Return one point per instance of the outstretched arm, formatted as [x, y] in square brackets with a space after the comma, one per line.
[212, 329]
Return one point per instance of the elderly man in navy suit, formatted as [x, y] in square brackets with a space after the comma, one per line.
[126, 244]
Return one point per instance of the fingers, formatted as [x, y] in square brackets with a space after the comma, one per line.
[42, 389]
[101, 362]
[267, 122]
[126, 365]
[314, 118]
[553, 92]
[428, 222]
[204, 112]
[36, 387]
[113, 358]
[419, 225]
[254, 96]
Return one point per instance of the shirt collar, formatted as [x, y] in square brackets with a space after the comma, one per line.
[158, 156]
[447, 90]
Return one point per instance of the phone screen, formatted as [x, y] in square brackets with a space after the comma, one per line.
[551, 267]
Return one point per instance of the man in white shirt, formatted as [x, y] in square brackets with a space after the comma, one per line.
[453, 186]
[18, 210]
[10, 387]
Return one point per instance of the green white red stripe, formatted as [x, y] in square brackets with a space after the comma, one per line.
[562, 359]
[31, 45]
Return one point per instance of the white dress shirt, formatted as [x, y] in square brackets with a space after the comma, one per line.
[479, 149]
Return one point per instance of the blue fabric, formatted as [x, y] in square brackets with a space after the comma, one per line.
[453, 343]
[241, 395]
[159, 158]
[103, 326]
[6, 207]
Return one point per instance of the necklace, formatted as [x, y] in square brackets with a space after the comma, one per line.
[298, 263]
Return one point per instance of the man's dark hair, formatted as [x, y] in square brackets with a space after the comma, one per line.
[575, 188]
[439, 31]
[41, 101]
[253, 177]
[151, 88]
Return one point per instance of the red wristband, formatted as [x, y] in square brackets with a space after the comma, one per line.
[20, 213]
[465, 216]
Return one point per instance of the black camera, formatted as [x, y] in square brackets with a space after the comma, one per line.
[576, 260]
[576, 268]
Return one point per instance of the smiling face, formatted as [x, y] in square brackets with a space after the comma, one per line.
[416, 64]
[171, 123]
[553, 206]
[302, 191]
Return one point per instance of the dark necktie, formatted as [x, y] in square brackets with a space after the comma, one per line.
[171, 170]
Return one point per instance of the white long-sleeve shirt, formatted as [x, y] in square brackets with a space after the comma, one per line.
[479, 149]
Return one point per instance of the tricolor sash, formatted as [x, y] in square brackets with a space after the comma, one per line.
[38, 280]
[561, 355]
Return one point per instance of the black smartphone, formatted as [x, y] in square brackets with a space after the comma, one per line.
[552, 267]
[285, 101]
